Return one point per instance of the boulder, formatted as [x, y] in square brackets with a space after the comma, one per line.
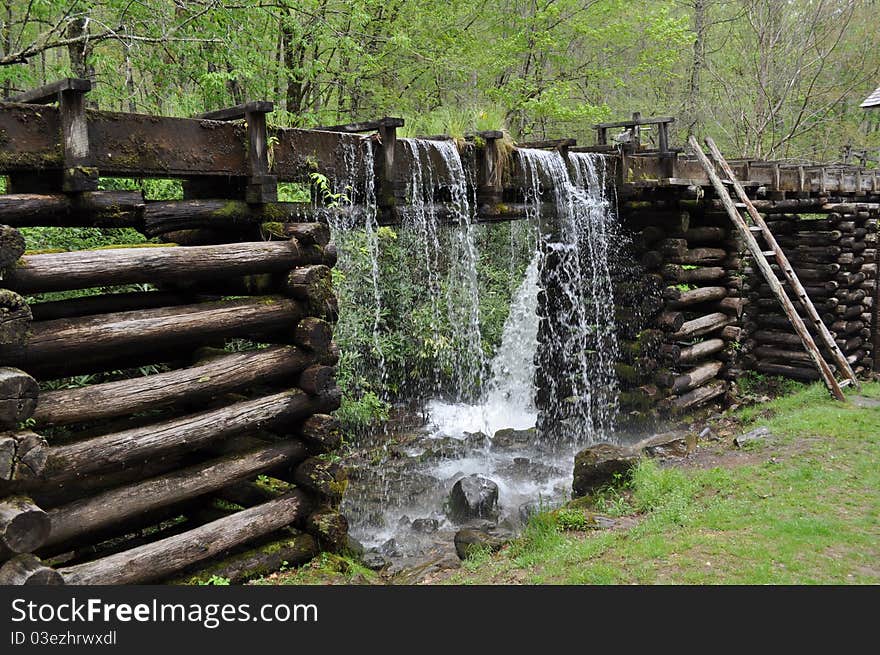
[510, 439]
[354, 546]
[473, 497]
[374, 561]
[469, 540]
[390, 548]
[596, 466]
[667, 444]
[425, 526]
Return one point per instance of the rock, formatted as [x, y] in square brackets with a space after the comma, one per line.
[469, 540]
[510, 439]
[425, 526]
[527, 510]
[473, 497]
[390, 548]
[374, 561]
[404, 521]
[595, 466]
[758, 434]
[354, 546]
[667, 444]
[476, 440]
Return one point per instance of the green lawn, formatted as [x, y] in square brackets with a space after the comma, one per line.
[801, 508]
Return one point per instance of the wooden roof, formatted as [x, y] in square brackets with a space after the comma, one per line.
[872, 100]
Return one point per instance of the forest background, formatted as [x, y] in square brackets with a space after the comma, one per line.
[778, 79]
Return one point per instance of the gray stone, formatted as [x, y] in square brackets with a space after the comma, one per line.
[425, 526]
[758, 434]
[510, 439]
[473, 497]
[469, 540]
[354, 546]
[374, 561]
[597, 465]
[390, 548]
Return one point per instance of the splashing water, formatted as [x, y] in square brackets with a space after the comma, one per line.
[578, 345]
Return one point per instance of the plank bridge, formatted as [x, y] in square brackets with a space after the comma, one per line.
[138, 477]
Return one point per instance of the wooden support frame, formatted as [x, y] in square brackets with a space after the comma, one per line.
[78, 173]
[261, 186]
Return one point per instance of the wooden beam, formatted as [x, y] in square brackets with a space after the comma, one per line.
[49, 93]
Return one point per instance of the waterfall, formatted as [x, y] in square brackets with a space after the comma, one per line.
[456, 333]
[576, 378]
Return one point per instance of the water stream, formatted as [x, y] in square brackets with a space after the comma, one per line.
[550, 387]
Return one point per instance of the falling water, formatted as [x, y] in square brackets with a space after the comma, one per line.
[578, 387]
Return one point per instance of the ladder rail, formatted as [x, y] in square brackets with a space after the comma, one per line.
[787, 270]
[762, 263]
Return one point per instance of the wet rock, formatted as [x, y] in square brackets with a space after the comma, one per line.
[354, 546]
[473, 497]
[597, 465]
[758, 434]
[374, 561]
[404, 521]
[390, 548]
[425, 526]
[476, 440]
[445, 448]
[527, 510]
[469, 540]
[510, 439]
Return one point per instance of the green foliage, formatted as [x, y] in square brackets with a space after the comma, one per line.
[215, 580]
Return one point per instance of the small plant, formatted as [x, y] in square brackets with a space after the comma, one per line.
[573, 519]
[216, 581]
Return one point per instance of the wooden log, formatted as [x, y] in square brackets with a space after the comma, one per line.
[318, 233]
[292, 549]
[804, 374]
[12, 246]
[313, 334]
[314, 285]
[317, 379]
[223, 374]
[648, 235]
[329, 527]
[321, 432]
[164, 557]
[672, 247]
[678, 273]
[18, 397]
[670, 352]
[846, 327]
[325, 478]
[90, 343]
[179, 434]
[695, 377]
[779, 338]
[24, 527]
[15, 317]
[731, 306]
[680, 298]
[28, 569]
[702, 234]
[645, 344]
[699, 256]
[110, 303]
[222, 214]
[701, 326]
[116, 505]
[700, 351]
[670, 321]
[22, 456]
[87, 209]
[83, 269]
[732, 333]
[783, 355]
[699, 396]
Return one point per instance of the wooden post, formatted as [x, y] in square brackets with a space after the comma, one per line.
[70, 94]
[261, 187]
[489, 189]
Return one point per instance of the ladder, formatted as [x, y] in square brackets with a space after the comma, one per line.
[760, 256]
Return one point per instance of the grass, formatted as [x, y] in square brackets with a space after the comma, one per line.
[801, 508]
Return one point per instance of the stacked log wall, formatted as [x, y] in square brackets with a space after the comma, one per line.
[679, 350]
[835, 256]
[197, 426]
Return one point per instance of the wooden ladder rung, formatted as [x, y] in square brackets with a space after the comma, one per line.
[768, 253]
[755, 228]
